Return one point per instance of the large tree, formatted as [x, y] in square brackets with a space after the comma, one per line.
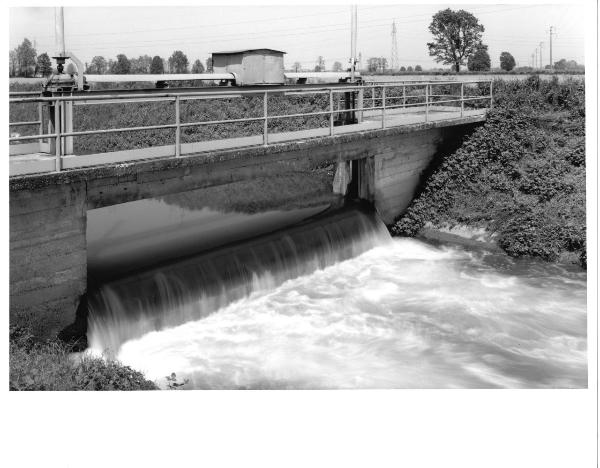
[337, 67]
[507, 61]
[98, 66]
[456, 36]
[26, 56]
[122, 66]
[198, 67]
[209, 65]
[480, 60]
[141, 65]
[178, 62]
[157, 67]
[44, 64]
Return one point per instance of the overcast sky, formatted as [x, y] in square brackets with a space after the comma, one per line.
[304, 32]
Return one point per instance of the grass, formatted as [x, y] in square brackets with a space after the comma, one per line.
[49, 365]
[521, 175]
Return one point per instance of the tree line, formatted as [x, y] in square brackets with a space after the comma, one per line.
[24, 61]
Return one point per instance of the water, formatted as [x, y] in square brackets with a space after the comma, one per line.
[368, 311]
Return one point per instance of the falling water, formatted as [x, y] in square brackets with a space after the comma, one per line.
[337, 303]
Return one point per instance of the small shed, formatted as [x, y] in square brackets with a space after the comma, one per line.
[251, 66]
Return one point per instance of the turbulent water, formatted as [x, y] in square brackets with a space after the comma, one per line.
[384, 314]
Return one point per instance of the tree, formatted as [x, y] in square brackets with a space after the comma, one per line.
[25, 58]
[122, 66]
[157, 67]
[178, 62]
[456, 36]
[337, 67]
[377, 64]
[418, 68]
[13, 63]
[209, 64]
[297, 67]
[409, 69]
[507, 61]
[403, 68]
[320, 66]
[141, 65]
[71, 69]
[197, 67]
[480, 60]
[98, 66]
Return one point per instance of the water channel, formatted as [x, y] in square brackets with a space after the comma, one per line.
[330, 302]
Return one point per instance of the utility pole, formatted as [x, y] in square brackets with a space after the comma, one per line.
[532, 61]
[353, 45]
[541, 61]
[395, 62]
[551, 62]
[536, 58]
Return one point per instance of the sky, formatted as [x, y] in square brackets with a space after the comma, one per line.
[304, 32]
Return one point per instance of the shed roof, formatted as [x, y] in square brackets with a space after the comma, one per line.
[247, 50]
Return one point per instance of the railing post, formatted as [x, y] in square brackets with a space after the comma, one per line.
[178, 127]
[331, 112]
[462, 99]
[491, 95]
[57, 130]
[265, 129]
[383, 106]
[41, 119]
[426, 102]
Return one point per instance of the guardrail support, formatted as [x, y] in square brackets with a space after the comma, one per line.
[383, 106]
[57, 130]
[331, 112]
[426, 103]
[265, 129]
[178, 128]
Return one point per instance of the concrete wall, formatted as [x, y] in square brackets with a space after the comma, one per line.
[48, 258]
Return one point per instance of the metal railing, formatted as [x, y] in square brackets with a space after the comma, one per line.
[384, 99]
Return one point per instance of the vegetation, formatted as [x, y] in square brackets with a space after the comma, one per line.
[507, 61]
[480, 60]
[49, 365]
[456, 36]
[521, 175]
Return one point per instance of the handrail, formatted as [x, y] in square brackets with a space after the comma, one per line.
[62, 107]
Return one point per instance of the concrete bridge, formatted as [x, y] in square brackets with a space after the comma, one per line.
[380, 158]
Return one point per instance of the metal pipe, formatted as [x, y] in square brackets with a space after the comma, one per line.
[59, 31]
[331, 112]
[177, 128]
[57, 129]
[266, 124]
[353, 45]
[158, 77]
[41, 120]
[426, 103]
[383, 106]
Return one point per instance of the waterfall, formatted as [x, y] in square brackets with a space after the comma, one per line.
[177, 291]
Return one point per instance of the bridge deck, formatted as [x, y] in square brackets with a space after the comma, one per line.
[39, 162]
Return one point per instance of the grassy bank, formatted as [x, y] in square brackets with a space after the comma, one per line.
[49, 365]
[521, 175]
